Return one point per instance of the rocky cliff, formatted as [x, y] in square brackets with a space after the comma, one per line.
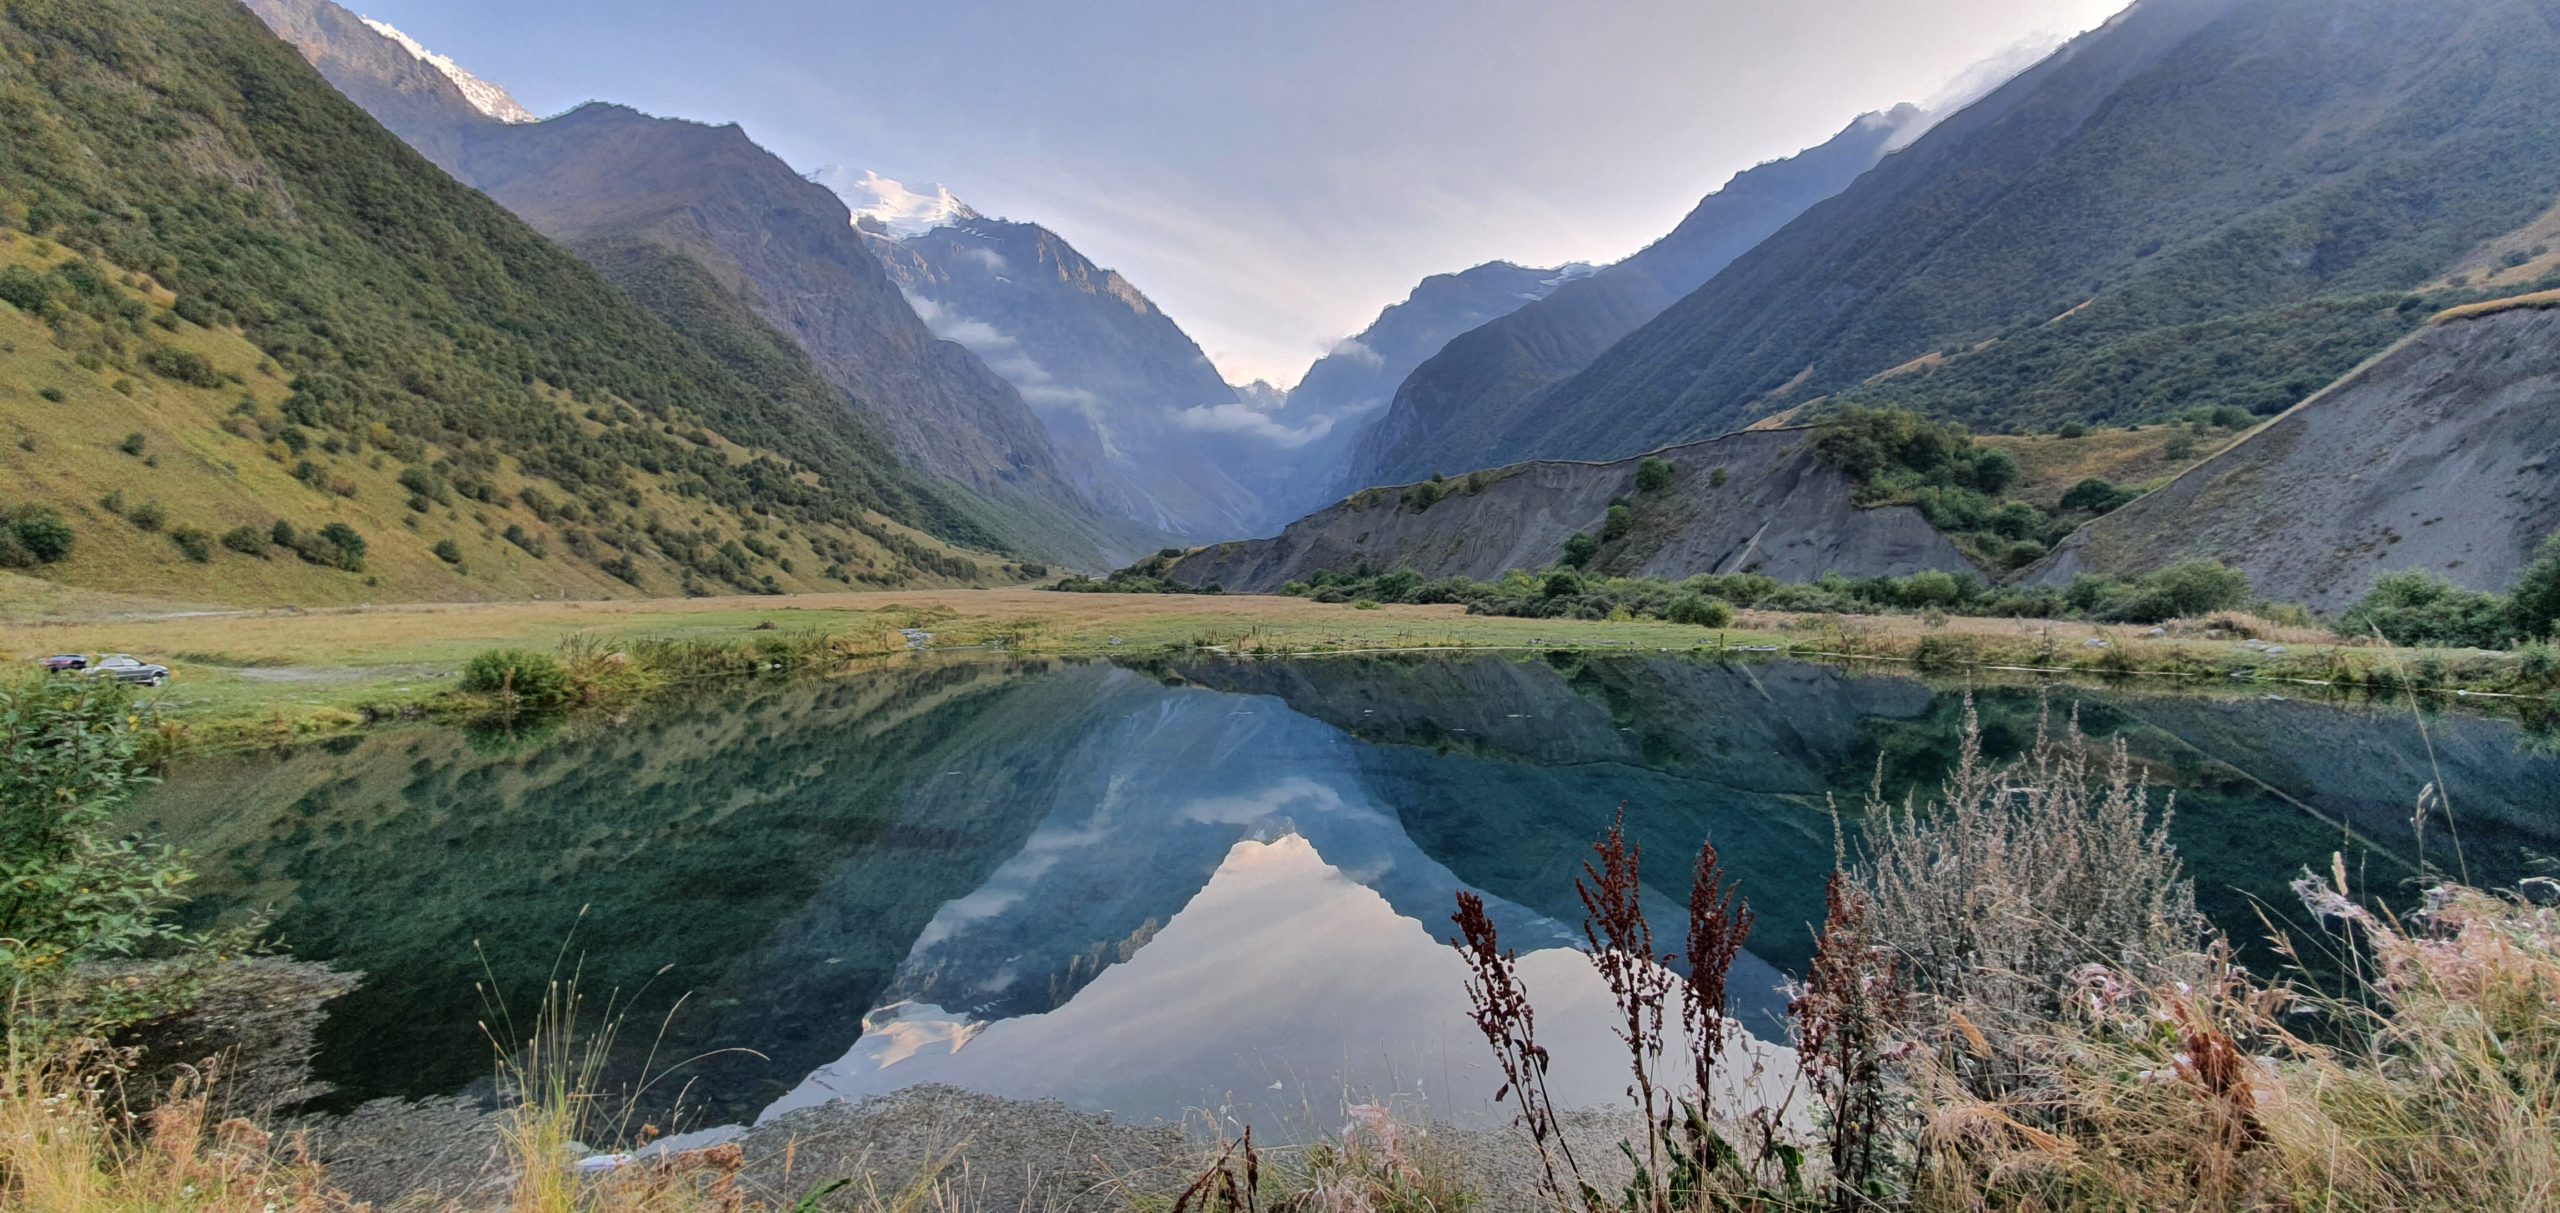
[1750, 502]
[2436, 456]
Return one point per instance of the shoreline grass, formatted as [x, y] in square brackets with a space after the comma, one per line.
[262, 677]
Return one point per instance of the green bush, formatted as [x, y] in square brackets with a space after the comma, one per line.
[529, 679]
[132, 444]
[246, 540]
[2095, 496]
[1620, 520]
[32, 535]
[182, 365]
[1579, 550]
[1700, 610]
[2535, 600]
[2420, 609]
[79, 888]
[448, 551]
[149, 515]
[195, 544]
[1654, 475]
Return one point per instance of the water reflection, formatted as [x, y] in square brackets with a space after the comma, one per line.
[1158, 888]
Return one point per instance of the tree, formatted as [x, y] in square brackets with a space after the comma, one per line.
[1619, 521]
[2095, 496]
[1653, 475]
[1579, 550]
[2535, 602]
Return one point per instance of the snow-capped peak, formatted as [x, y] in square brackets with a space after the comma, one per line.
[895, 207]
[485, 97]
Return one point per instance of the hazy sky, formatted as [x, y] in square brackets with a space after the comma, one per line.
[1270, 173]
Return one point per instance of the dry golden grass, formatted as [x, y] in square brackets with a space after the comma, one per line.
[2491, 307]
[2048, 466]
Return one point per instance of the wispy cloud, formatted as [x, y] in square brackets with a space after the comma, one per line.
[1235, 418]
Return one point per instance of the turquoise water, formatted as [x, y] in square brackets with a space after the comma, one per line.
[1161, 887]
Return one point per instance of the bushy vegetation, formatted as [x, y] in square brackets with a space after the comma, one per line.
[183, 143]
[2190, 589]
[2417, 608]
[1963, 488]
[77, 891]
[1148, 576]
[32, 535]
[518, 677]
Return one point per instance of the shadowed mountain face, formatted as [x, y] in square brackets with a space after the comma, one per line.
[2205, 202]
[1116, 382]
[2436, 457]
[1297, 461]
[1470, 387]
[605, 179]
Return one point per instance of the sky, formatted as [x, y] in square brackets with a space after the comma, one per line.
[1271, 174]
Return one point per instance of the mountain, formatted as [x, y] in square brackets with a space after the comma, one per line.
[608, 181]
[891, 207]
[491, 100]
[234, 301]
[1291, 446]
[1757, 502]
[1447, 413]
[2204, 202]
[1112, 377]
[2435, 457]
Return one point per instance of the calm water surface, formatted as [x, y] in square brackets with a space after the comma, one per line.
[1218, 883]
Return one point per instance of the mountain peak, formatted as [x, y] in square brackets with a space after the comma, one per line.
[892, 207]
[485, 97]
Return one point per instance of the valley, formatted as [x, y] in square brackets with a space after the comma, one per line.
[1400, 613]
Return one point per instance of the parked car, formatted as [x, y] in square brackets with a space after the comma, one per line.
[67, 663]
[128, 669]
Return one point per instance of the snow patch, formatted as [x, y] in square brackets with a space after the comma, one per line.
[485, 97]
[893, 206]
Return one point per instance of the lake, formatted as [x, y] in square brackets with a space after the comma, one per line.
[1166, 885]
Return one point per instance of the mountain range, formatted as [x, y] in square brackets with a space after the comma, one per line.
[1450, 411]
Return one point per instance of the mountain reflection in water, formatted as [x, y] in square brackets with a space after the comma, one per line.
[1167, 887]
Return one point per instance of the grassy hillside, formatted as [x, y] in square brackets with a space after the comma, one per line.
[215, 250]
[2210, 202]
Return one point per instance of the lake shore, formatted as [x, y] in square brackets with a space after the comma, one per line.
[264, 676]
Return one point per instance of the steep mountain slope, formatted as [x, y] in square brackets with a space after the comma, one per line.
[242, 267]
[1111, 376]
[2204, 202]
[605, 176]
[1296, 460]
[1447, 412]
[2437, 457]
[1755, 502]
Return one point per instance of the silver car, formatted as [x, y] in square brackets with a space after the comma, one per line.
[128, 669]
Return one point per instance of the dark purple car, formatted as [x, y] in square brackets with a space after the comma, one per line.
[67, 663]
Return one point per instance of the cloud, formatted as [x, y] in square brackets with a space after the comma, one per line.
[1350, 348]
[1235, 418]
[978, 335]
[991, 259]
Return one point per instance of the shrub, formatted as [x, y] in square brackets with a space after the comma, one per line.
[149, 515]
[51, 395]
[2072, 429]
[347, 543]
[1701, 611]
[1653, 475]
[1579, 550]
[1619, 521]
[2419, 608]
[196, 544]
[246, 540]
[78, 891]
[2535, 601]
[2096, 496]
[35, 534]
[132, 444]
[184, 366]
[447, 551]
[528, 679]
[2193, 587]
